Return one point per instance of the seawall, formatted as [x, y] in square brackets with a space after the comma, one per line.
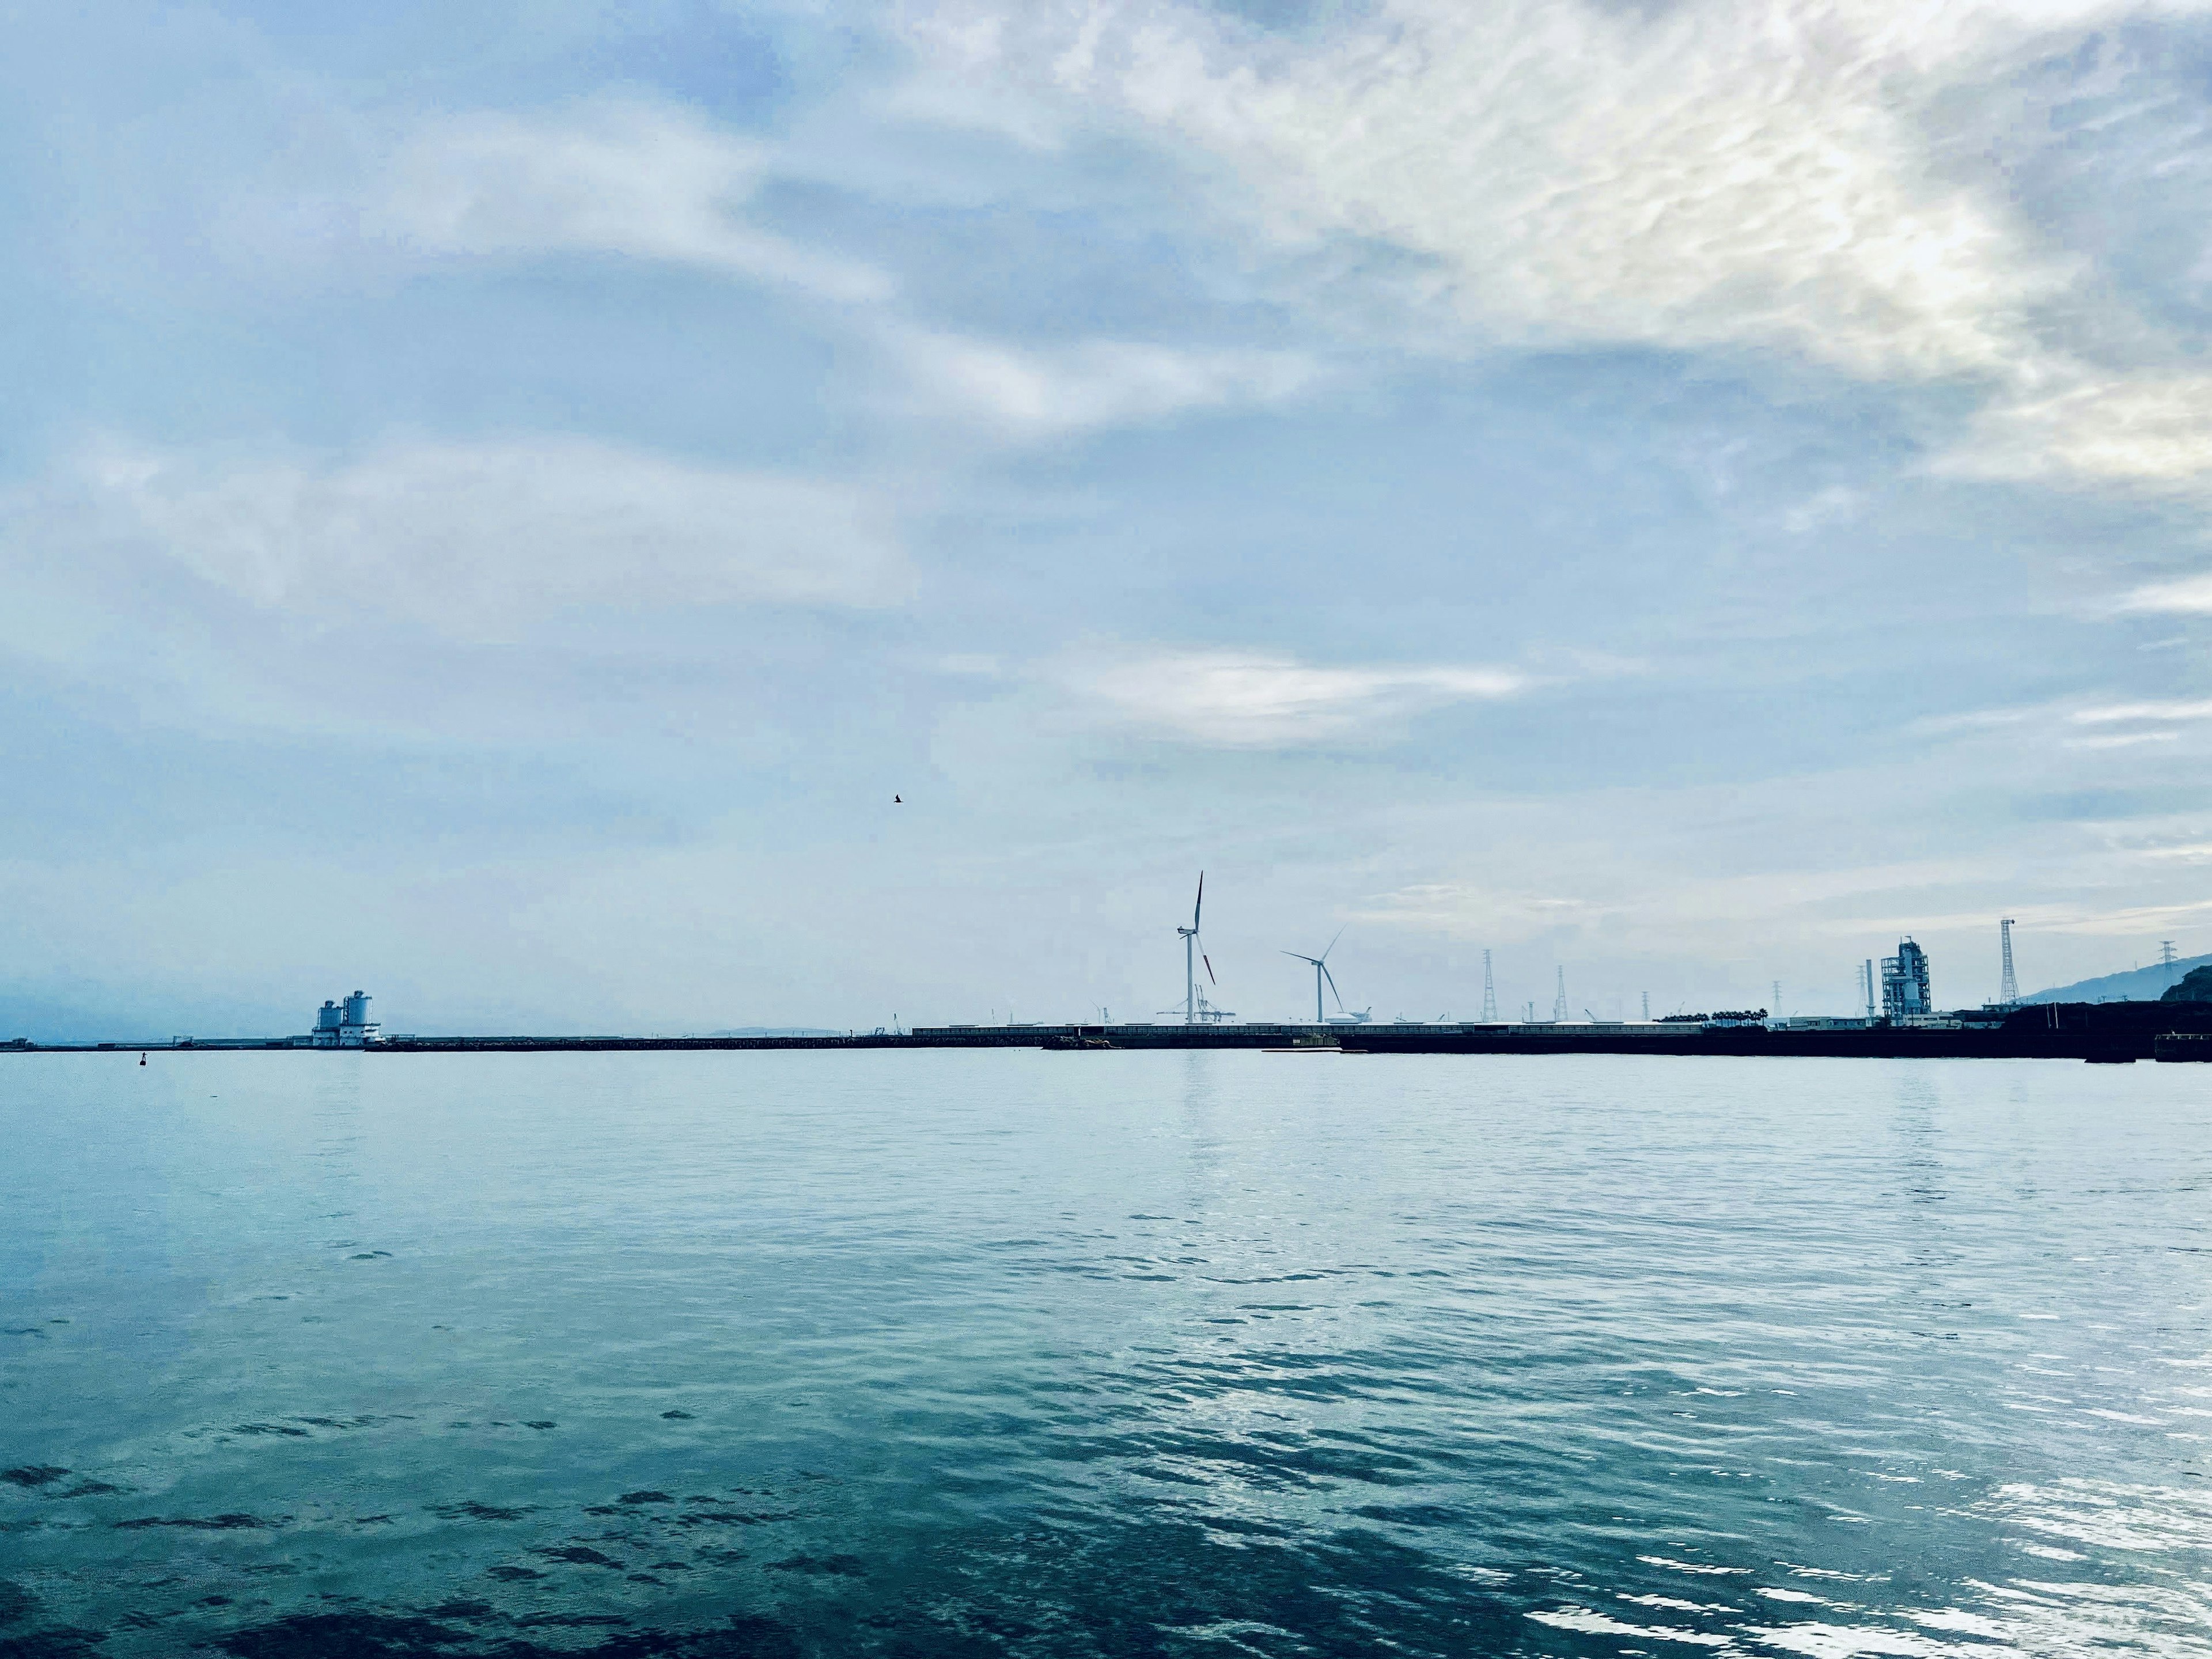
[2078, 1031]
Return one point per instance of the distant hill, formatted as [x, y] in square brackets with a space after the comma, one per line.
[2138, 985]
[2196, 986]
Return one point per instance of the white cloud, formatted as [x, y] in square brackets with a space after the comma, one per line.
[2195, 853]
[2135, 921]
[1474, 911]
[1047, 393]
[1231, 699]
[1977, 720]
[1836, 504]
[643, 181]
[2121, 740]
[2188, 596]
[653, 182]
[1708, 175]
[477, 540]
[2151, 432]
[1767, 175]
[2154, 715]
[2140, 723]
[2119, 714]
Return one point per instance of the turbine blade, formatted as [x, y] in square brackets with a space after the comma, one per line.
[1208, 961]
[1332, 944]
[1333, 991]
[1200, 905]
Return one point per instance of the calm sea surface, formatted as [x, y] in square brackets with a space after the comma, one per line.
[965, 1352]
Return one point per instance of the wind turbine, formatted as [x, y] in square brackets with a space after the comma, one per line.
[1189, 937]
[1320, 973]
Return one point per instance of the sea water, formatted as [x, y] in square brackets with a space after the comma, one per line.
[1101, 1353]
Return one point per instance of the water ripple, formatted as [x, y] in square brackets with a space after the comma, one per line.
[783, 1354]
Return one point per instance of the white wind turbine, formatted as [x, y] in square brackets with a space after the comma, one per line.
[1320, 973]
[1189, 937]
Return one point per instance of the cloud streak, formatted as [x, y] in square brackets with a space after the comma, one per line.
[480, 540]
[2134, 713]
[640, 181]
[1241, 700]
[1034, 395]
[2144, 431]
[655, 183]
[2187, 596]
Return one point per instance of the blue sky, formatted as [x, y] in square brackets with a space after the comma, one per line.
[496, 500]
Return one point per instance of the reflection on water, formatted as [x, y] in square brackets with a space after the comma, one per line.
[1102, 1353]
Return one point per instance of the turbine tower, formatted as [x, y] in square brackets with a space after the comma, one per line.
[2008, 987]
[1192, 956]
[1320, 973]
[1489, 994]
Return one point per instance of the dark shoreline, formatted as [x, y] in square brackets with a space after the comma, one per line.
[2078, 1031]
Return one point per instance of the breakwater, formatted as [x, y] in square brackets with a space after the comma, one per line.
[2099, 1032]
[2079, 1031]
[1241, 1036]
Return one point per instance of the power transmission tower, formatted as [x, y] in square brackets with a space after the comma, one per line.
[2165, 956]
[1777, 1003]
[1559, 1006]
[1489, 994]
[2009, 987]
[1647, 1008]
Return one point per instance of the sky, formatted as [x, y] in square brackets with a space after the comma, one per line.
[496, 501]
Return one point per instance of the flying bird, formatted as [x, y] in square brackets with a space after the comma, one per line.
[895, 801]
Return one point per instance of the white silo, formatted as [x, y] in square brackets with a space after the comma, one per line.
[357, 1029]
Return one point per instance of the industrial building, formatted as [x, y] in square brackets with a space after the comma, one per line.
[342, 1025]
[1905, 992]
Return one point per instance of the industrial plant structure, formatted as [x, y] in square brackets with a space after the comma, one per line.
[1904, 992]
[342, 1025]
